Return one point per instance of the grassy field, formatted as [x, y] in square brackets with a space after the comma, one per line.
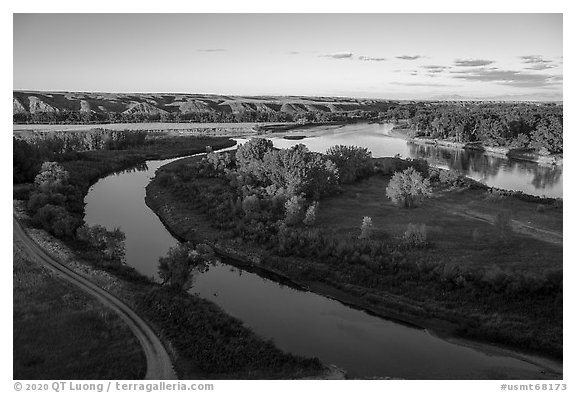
[459, 223]
[60, 333]
[469, 281]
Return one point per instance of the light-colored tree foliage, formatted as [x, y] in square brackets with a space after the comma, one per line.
[408, 188]
[367, 228]
[311, 212]
[294, 207]
[51, 177]
[249, 156]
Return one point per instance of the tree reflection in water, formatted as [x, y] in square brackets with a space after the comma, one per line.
[486, 168]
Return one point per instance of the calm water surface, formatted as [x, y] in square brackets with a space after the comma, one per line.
[297, 321]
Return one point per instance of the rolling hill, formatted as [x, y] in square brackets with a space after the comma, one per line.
[34, 102]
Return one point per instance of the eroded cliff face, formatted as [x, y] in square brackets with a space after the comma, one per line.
[36, 105]
[17, 106]
[157, 104]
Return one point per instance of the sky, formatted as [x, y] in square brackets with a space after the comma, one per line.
[395, 56]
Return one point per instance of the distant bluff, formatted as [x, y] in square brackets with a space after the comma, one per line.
[35, 102]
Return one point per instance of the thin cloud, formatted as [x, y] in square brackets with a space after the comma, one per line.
[211, 50]
[338, 56]
[534, 59]
[420, 84]
[508, 78]
[294, 52]
[472, 63]
[366, 58]
[407, 57]
[435, 69]
[540, 67]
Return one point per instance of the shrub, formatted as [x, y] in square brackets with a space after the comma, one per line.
[450, 177]
[110, 245]
[366, 228]
[495, 195]
[415, 236]
[57, 221]
[408, 188]
[310, 217]
[353, 162]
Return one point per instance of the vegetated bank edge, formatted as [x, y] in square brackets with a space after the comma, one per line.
[499, 151]
[74, 326]
[392, 307]
[156, 304]
[400, 132]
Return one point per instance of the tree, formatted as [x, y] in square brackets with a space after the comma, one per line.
[178, 267]
[52, 176]
[57, 221]
[300, 171]
[109, 244]
[249, 156]
[353, 162]
[408, 188]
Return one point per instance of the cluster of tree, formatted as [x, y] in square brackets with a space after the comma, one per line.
[29, 153]
[511, 125]
[282, 228]
[258, 195]
[353, 163]
[48, 200]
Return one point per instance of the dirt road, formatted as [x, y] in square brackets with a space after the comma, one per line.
[158, 362]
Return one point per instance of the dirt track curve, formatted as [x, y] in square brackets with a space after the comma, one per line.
[158, 364]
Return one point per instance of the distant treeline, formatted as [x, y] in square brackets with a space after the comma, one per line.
[515, 125]
[247, 116]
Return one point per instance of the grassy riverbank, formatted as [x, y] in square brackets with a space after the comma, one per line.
[61, 333]
[204, 342]
[485, 284]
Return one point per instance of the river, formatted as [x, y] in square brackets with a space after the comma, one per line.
[297, 321]
[500, 172]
